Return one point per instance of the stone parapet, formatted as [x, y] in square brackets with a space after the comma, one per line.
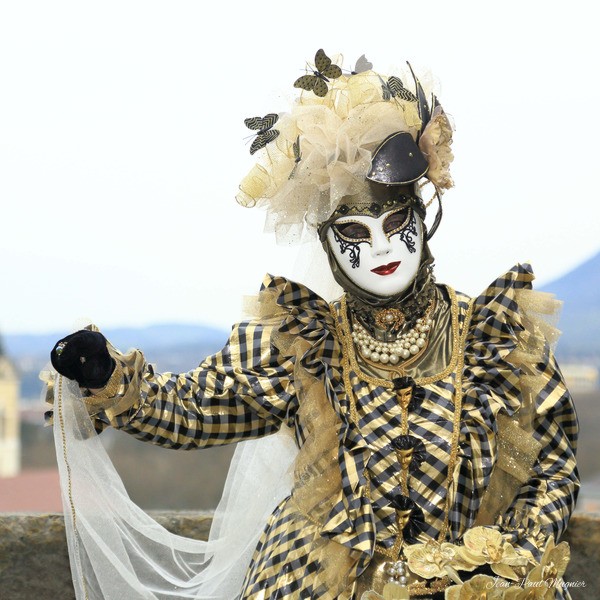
[34, 562]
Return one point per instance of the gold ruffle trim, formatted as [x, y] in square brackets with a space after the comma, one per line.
[517, 448]
[317, 476]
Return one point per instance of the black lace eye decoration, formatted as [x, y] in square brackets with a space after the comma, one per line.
[396, 220]
[349, 236]
[404, 224]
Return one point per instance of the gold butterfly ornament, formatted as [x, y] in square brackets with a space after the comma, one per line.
[264, 133]
[324, 71]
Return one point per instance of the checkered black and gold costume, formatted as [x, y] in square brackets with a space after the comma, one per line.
[295, 365]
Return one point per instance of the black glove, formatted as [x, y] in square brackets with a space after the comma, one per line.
[83, 356]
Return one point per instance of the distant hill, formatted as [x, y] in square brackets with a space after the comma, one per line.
[171, 347]
[180, 347]
[154, 336]
[580, 317]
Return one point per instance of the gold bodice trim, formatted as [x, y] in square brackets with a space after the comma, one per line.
[456, 364]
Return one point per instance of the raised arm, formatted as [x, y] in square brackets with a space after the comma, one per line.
[245, 391]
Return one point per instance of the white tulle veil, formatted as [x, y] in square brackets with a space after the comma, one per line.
[118, 552]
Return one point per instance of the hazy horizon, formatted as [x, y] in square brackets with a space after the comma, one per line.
[123, 145]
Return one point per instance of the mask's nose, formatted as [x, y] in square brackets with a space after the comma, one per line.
[380, 245]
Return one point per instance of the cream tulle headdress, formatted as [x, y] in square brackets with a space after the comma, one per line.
[323, 150]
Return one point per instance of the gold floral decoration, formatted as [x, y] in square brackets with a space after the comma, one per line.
[480, 586]
[483, 545]
[486, 546]
[435, 145]
[542, 581]
[434, 559]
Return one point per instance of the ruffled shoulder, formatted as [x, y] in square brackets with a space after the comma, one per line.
[303, 325]
[304, 329]
[279, 295]
[496, 309]
[510, 381]
[511, 331]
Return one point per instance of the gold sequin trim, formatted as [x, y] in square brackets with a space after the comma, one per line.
[110, 389]
[61, 421]
[424, 589]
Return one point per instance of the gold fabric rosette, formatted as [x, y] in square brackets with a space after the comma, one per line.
[435, 145]
[517, 575]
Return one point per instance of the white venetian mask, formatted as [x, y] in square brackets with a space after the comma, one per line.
[380, 255]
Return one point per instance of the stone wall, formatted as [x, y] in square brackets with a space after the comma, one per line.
[34, 563]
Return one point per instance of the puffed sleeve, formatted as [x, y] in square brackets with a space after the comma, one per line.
[244, 391]
[516, 394]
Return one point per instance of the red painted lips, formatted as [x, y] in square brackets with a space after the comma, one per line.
[386, 269]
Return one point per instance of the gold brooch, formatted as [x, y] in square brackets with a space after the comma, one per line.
[390, 318]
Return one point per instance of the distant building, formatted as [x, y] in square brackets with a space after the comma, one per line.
[10, 444]
[580, 377]
[31, 491]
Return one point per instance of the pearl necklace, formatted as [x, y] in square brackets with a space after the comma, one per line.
[406, 345]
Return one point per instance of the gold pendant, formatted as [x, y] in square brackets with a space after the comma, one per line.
[404, 456]
[404, 397]
[390, 318]
[395, 591]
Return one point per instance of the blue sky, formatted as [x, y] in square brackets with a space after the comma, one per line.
[122, 145]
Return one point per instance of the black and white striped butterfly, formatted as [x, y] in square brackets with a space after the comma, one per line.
[394, 88]
[297, 156]
[264, 133]
[317, 82]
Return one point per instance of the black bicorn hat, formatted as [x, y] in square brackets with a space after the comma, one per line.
[398, 160]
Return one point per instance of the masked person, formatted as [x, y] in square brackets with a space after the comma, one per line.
[434, 434]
